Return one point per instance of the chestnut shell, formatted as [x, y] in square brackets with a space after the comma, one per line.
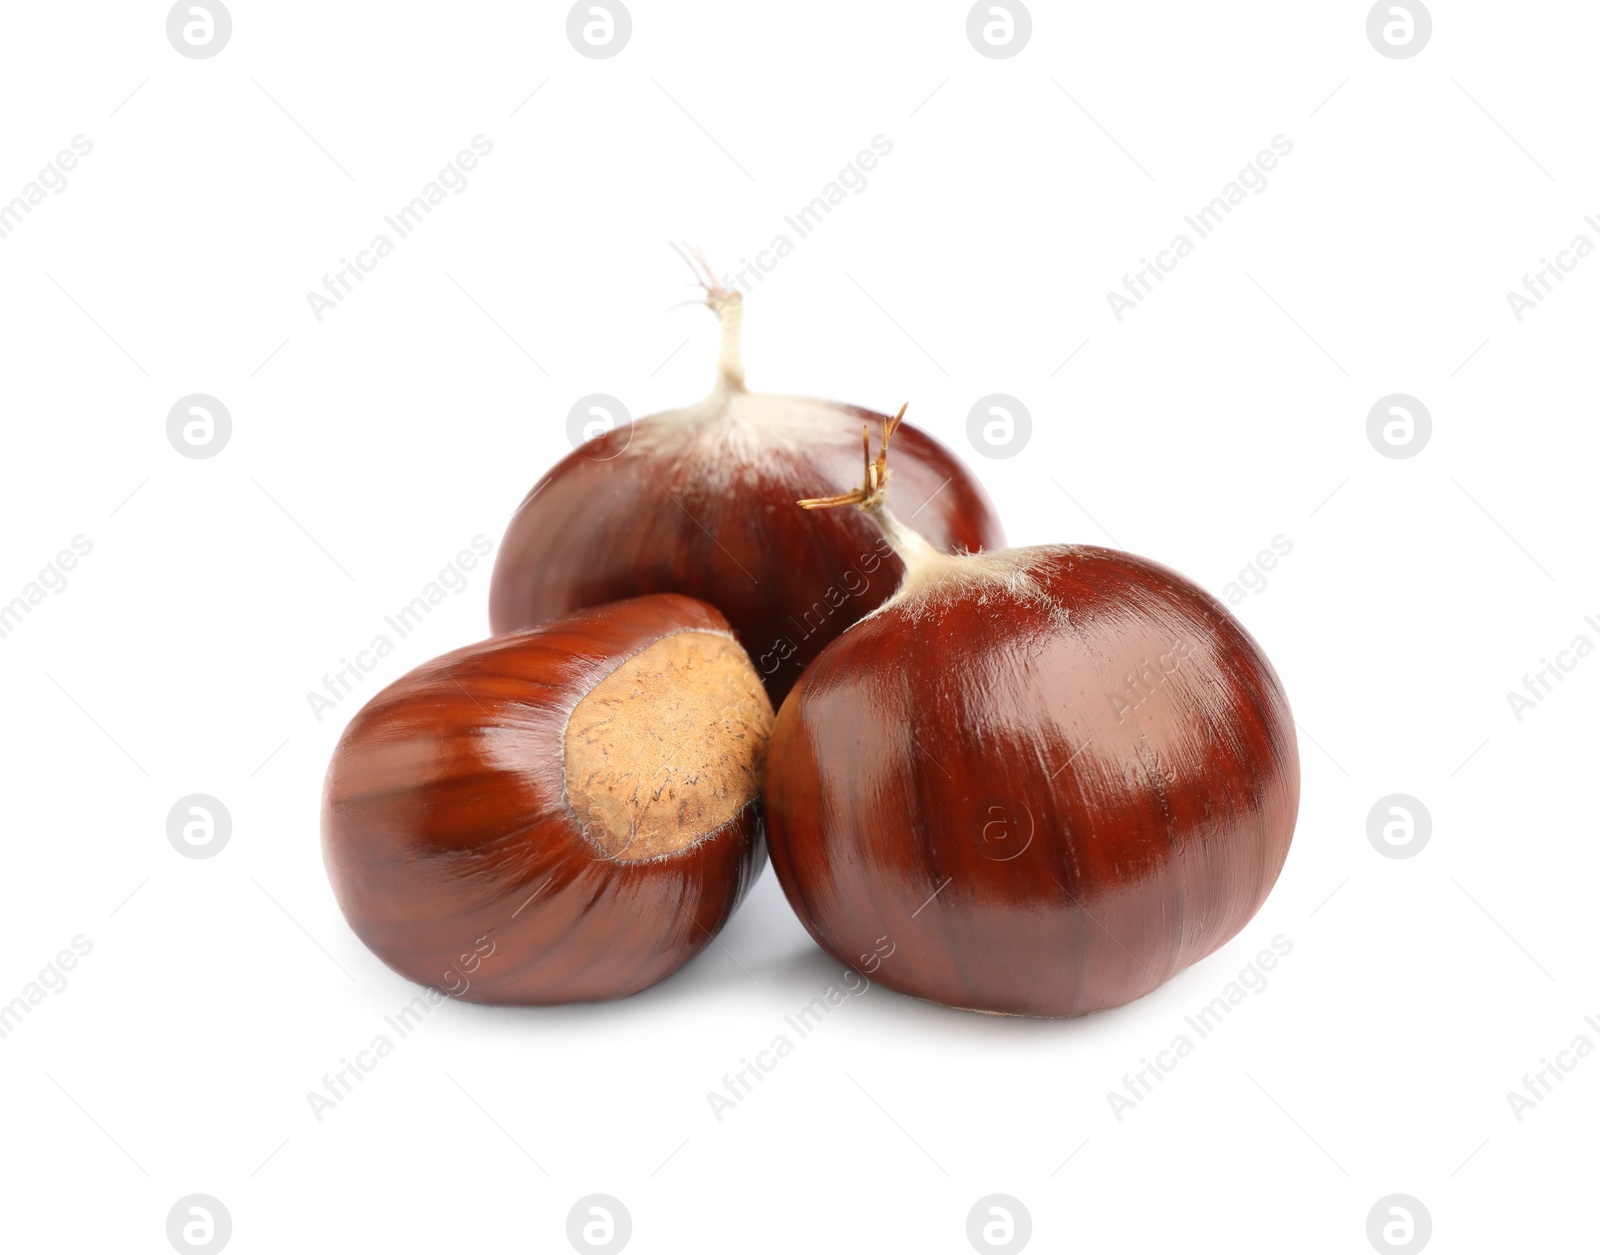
[456, 856]
[967, 801]
[712, 515]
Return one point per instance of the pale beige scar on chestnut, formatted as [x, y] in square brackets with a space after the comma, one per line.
[668, 747]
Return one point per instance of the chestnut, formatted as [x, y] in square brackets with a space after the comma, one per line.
[1037, 782]
[565, 814]
[701, 501]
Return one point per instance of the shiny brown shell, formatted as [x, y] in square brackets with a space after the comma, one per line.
[454, 849]
[710, 513]
[1041, 792]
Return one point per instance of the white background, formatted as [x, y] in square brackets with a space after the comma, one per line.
[369, 447]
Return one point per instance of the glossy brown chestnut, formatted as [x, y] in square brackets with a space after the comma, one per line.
[701, 501]
[1037, 782]
[566, 814]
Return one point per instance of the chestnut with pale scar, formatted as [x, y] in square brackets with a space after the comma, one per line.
[586, 793]
[668, 747]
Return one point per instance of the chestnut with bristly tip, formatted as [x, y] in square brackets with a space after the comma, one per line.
[1038, 782]
[701, 501]
[566, 814]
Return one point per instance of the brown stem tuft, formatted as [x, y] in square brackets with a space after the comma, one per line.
[875, 478]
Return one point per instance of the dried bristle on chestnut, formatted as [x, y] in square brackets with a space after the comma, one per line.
[700, 501]
[565, 814]
[1038, 782]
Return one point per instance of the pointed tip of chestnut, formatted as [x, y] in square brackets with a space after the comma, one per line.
[565, 814]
